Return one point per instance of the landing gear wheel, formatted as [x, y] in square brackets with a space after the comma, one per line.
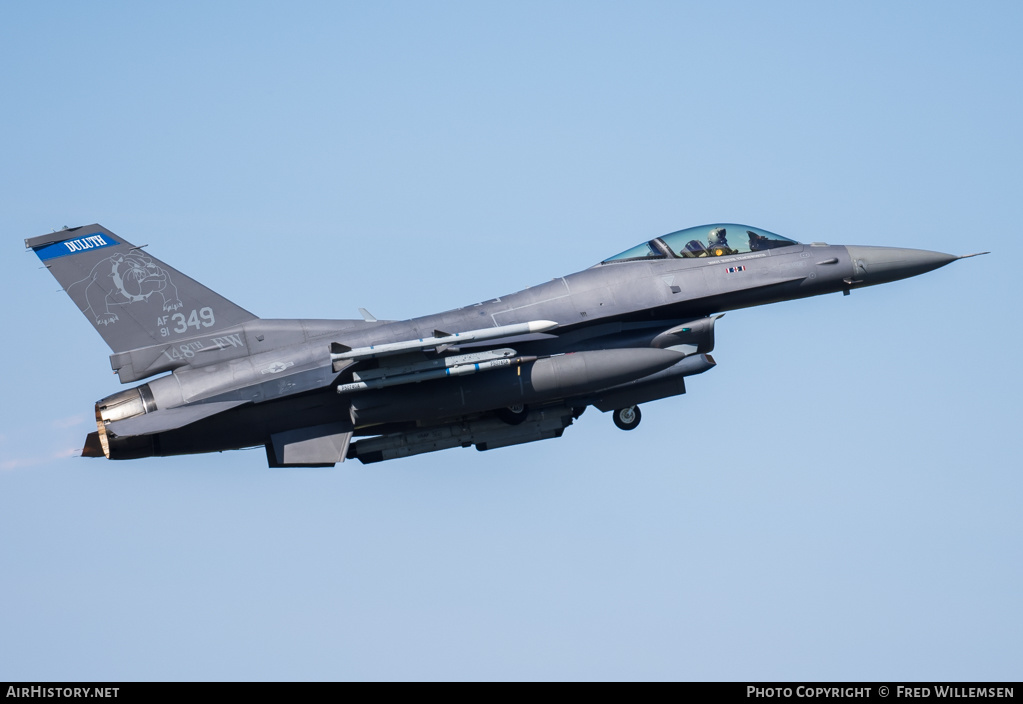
[627, 418]
[513, 415]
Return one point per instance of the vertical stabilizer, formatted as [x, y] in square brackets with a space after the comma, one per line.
[131, 298]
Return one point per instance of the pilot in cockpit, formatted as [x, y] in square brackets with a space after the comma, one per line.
[718, 241]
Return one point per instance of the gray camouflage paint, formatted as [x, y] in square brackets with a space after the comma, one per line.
[639, 327]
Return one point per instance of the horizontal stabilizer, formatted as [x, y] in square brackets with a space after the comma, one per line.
[93, 446]
[170, 419]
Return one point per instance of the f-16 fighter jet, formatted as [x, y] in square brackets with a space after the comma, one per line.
[511, 370]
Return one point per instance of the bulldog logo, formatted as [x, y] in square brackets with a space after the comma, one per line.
[121, 280]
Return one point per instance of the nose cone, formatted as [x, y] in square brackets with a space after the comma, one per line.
[878, 265]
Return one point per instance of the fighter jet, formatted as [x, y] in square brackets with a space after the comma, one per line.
[511, 370]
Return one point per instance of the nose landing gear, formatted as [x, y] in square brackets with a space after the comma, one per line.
[627, 418]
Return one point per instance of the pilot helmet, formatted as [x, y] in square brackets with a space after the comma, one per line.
[717, 236]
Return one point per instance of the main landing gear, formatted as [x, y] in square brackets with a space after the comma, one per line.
[627, 418]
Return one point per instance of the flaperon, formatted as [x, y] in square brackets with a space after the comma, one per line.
[510, 370]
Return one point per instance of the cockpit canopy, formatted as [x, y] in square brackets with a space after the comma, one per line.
[716, 240]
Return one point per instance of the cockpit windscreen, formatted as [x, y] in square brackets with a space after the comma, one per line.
[717, 240]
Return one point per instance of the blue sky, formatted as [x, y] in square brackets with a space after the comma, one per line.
[838, 499]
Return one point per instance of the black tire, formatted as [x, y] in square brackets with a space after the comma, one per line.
[513, 415]
[627, 418]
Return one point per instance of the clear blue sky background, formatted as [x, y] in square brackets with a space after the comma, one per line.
[838, 499]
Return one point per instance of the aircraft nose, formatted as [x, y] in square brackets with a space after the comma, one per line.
[878, 265]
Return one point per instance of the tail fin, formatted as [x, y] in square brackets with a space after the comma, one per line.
[131, 298]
